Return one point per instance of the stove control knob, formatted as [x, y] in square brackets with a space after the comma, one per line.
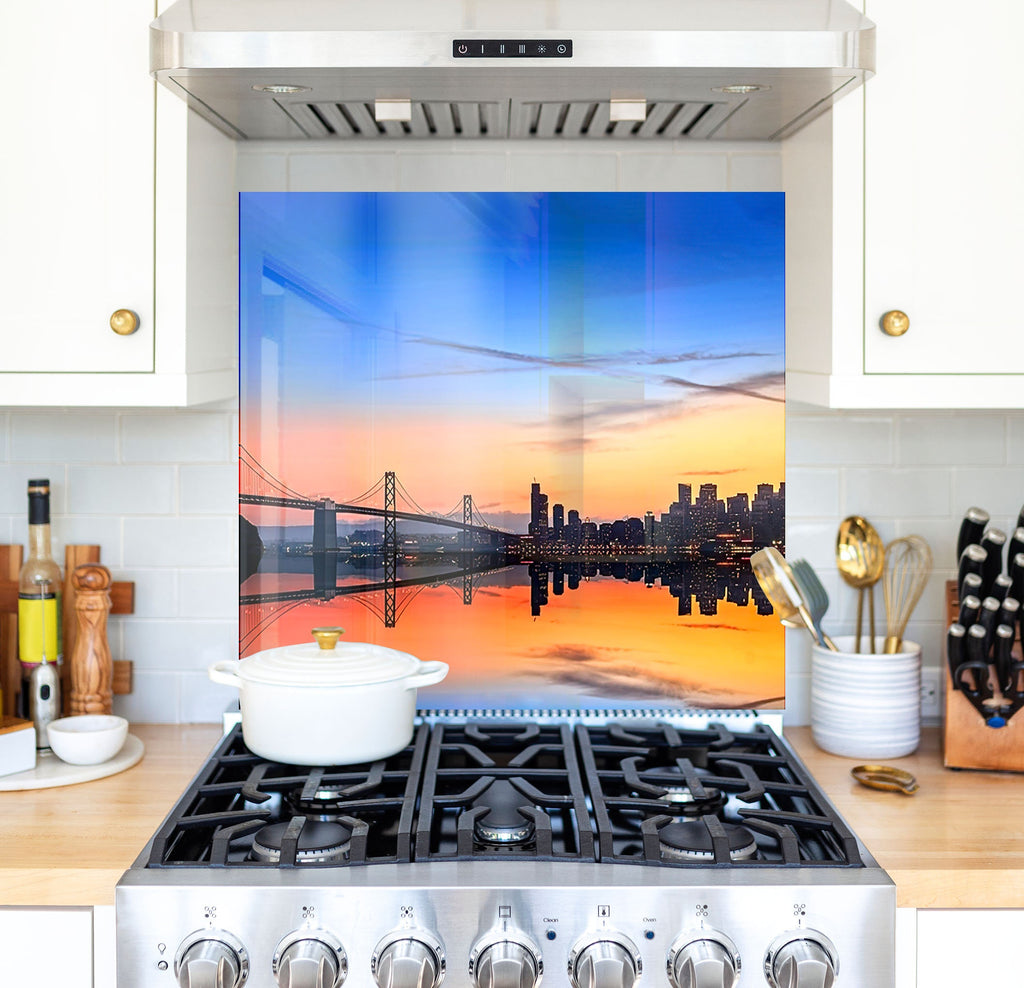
[707, 960]
[409, 959]
[310, 959]
[211, 959]
[801, 959]
[608, 960]
[505, 961]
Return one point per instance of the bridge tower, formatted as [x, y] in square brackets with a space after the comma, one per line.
[390, 548]
[467, 544]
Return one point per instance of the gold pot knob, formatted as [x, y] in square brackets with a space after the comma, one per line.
[124, 322]
[327, 638]
[895, 323]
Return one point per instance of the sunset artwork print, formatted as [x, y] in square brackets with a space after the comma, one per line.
[536, 436]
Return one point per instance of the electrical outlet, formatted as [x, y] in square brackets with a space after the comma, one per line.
[931, 694]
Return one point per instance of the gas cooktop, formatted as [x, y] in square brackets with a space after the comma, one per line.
[634, 793]
[494, 853]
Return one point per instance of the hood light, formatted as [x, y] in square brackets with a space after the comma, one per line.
[281, 90]
[741, 90]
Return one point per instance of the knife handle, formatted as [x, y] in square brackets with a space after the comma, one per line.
[1004, 644]
[1016, 544]
[1017, 575]
[977, 661]
[972, 560]
[1001, 587]
[988, 618]
[971, 528]
[970, 606]
[993, 542]
[1009, 612]
[955, 650]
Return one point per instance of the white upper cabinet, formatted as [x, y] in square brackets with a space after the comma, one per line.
[907, 199]
[98, 217]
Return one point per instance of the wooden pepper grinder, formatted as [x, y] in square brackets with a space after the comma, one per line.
[92, 670]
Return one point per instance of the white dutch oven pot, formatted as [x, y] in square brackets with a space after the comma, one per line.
[327, 703]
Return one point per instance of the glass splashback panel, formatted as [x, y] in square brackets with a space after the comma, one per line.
[534, 435]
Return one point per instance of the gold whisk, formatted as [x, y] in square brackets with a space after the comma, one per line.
[908, 564]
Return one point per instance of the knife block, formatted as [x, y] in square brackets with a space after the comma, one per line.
[967, 741]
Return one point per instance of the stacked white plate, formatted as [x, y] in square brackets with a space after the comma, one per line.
[866, 705]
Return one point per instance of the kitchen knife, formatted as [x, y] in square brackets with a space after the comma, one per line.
[972, 560]
[1009, 612]
[970, 606]
[976, 664]
[1017, 575]
[1004, 644]
[988, 618]
[993, 542]
[973, 524]
[971, 586]
[956, 653]
[1020, 518]
[1000, 588]
[1016, 545]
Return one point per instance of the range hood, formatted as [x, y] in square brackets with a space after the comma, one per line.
[498, 69]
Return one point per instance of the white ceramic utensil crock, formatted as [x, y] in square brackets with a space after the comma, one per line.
[329, 703]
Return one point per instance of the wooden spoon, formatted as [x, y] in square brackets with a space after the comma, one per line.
[860, 559]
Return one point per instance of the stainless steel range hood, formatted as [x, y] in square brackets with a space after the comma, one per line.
[496, 69]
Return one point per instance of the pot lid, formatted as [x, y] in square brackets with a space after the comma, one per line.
[328, 662]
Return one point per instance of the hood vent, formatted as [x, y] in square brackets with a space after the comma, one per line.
[355, 119]
[696, 69]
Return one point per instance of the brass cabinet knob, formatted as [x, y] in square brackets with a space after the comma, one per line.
[124, 322]
[895, 323]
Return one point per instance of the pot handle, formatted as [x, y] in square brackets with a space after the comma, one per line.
[224, 672]
[430, 673]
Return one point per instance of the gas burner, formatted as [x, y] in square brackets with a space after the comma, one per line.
[682, 801]
[319, 843]
[502, 824]
[327, 803]
[691, 841]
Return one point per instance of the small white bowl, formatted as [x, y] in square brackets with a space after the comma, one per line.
[88, 739]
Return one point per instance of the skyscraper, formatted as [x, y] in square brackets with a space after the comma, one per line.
[538, 513]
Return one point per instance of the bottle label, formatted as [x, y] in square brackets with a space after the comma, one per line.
[39, 629]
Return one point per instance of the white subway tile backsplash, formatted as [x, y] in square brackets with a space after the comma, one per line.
[812, 493]
[755, 172]
[205, 490]
[819, 440]
[979, 440]
[569, 171]
[180, 542]
[179, 645]
[673, 172]
[178, 437]
[14, 478]
[262, 171]
[203, 701]
[442, 172]
[154, 699]
[210, 593]
[101, 530]
[1015, 439]
[76, 437]
[156, 592]
[896, 493]
[999, 490]
[343, 172]
[122, 490]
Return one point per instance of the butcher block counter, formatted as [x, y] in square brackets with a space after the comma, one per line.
[958, 843]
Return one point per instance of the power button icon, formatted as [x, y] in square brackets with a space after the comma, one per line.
[463, 49]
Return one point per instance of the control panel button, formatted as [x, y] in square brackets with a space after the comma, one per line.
[310, 960]
[801, 959]
[606, 961]
[211, 959]
[408, 960]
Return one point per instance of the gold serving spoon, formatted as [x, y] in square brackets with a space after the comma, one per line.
[783, 592]
[860, 559]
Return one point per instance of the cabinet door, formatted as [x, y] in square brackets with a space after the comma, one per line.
[944, 204]
[43, 946]
[76, 186]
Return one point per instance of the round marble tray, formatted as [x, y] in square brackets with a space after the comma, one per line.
[50, 771]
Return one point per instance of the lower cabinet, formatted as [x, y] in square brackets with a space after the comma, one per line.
[969, 947]
[43, 946]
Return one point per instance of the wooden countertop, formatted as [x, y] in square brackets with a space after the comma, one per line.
[958, 843]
